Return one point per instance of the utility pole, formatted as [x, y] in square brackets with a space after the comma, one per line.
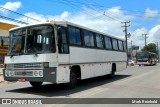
[145, 37]
[157, 50]
[131, 50]
[126, 35]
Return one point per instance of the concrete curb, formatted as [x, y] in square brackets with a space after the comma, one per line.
[1, 71]
[6, 82]
[3, 81]
[1, 78]
[1, 75]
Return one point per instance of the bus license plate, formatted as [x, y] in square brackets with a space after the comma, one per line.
[21, 79]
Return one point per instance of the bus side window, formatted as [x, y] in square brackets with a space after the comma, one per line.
[88, 38]
[108, 43]
[115, 44]
[124, 46]
[120, 45]
[99, 41]
[62, 41]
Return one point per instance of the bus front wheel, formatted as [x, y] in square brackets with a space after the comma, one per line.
[73, 80]
[111, 76]
[36, 84]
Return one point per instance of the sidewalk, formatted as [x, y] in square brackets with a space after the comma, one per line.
[1, 72]
[1, 75]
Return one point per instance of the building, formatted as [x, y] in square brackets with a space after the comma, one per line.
[4, 40]
[4, 29]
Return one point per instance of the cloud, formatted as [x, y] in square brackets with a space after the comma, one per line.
[109, 23]
[137, 38]
[11, 6]
[31, 20]
[150, 13]
[154, 34]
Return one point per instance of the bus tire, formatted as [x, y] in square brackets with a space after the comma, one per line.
[112, 75]
[73, 80]
[36, 84]
[139, 65]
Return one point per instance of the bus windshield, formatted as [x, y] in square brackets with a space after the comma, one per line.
[36, 39]
[142, 56]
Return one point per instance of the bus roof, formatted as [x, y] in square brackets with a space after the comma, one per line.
[65, 24]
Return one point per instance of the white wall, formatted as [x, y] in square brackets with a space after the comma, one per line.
[4, 32]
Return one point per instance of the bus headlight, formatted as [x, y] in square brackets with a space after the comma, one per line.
[13, 73]
[36, 73]
[9, 73]
[40, 73]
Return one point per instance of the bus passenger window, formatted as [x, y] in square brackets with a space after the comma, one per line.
[124, 46]
[88, 38]
[108, 43]
[120, 45]
[99, 41]
[115, 44]
[74, 36]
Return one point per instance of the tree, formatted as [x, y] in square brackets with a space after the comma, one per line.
[151, 47]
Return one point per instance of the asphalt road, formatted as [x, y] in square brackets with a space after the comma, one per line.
[134, 82]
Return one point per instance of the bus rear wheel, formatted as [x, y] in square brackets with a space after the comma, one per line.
[36, 84]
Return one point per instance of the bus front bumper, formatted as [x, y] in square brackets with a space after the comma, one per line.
[48, 75]
[143, 63]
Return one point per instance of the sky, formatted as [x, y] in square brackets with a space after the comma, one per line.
[102, 15]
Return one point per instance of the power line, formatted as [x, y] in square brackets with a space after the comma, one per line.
[11, 19]
[109, 14]
[99, 5]
[74, 3]
[88, 12]
[116, 16]
[19, 14]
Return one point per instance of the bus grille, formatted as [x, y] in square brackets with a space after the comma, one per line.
[25, 66]
[25, 73]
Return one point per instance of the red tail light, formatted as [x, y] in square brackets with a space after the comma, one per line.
[4, 65]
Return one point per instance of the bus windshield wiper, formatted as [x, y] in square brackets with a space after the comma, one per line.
[12, 55]
[35, 54]
[35, 51]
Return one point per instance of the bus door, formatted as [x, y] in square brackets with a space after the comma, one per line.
[63, 47]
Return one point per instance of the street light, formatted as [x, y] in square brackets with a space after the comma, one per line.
[129, 35]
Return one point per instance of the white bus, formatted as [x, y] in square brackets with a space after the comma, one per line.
[62, 52]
